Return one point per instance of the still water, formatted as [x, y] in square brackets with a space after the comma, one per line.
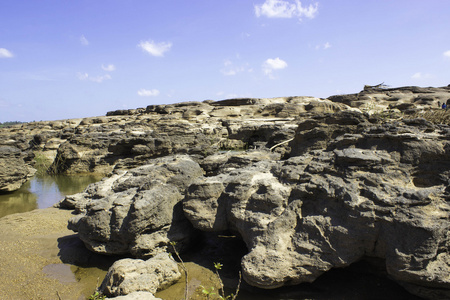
[43, 192]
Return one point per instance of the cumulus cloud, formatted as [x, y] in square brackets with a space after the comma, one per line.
[5, 53]
[84, 41]
[99, 79]
[148, 93]
[109, 68]
[155, 49]
[273, 64]
[286, 9]
[446, 54]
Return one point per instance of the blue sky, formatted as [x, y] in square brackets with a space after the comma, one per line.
[64, 59]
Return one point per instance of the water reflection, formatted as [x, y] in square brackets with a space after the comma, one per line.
[43, 192]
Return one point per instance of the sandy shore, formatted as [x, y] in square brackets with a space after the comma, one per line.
[41, 259]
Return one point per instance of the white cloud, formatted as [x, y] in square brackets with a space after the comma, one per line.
[273, 64]
[99, 79]
[324, 46]
[155, 49]
[4, 53]
[420, 75]
[84, 41]
[286, 9]
[447, 54]
[109, 68]
[230, 68]
[148, 93]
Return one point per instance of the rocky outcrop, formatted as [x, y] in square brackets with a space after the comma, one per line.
[405, 99]
[128, 276]
[126, 139]
[136, 212]
[351, 187]
[15, 168]
[129, 138]
[308, 184]
[348, 191]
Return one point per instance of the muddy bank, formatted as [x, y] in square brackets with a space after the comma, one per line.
[41, 259]
[37, 256]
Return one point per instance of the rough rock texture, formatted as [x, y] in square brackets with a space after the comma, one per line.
[14, 169]
[138, 211]
[129, 138]
[127, 276]
[408, 98]
[350, 189]
[320, 185]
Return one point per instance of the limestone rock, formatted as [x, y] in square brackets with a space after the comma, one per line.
[137, 212]
[349, 189]
[375, 99]
[337, 186]
[14, 169]
[129, 276]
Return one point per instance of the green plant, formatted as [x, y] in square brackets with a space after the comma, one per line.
[222, 296]
[97, 296]
[41, 163]
[207, 292]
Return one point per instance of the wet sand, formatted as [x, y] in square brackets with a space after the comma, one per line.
[41, 259]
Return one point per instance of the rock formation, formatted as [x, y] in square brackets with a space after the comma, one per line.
[362, 189]
[15, 168]
[137, 212]
[128, 276]
[128, 138]
[351, 187]
[308, 184]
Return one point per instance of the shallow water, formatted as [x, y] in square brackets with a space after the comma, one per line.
[43, 192]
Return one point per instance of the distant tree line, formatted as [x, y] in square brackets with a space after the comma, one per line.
[6, 124]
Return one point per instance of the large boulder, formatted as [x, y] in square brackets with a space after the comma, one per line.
[137, 212]
[351, 188]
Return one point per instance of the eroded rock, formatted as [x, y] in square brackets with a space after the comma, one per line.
[131, 276]
[14, 169]
[139, 211]
[366, 191]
